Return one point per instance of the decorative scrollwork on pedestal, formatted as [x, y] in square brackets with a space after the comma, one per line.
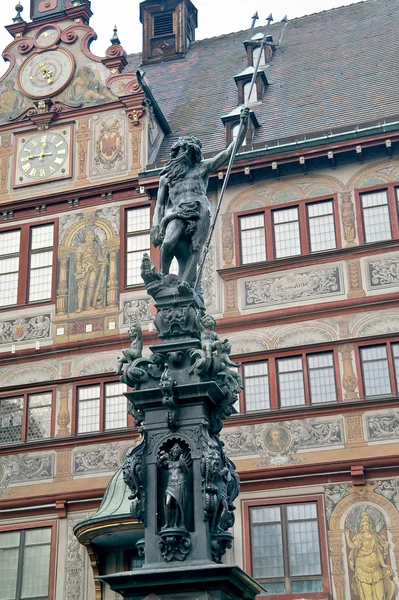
[134, 477]
[174, 544]
[221, 486]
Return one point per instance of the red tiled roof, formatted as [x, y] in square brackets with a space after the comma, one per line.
[334, 69]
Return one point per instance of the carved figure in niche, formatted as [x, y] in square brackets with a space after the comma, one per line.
[87, 88]
[11, 101]
[182, 214]
[372, 577]
[136, 347]
[176, 497]
[91, 264]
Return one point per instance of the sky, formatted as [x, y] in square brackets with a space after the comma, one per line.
[215, 17]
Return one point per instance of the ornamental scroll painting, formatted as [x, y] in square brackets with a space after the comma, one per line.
[370, 571]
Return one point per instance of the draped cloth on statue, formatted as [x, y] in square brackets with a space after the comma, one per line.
[372, 577]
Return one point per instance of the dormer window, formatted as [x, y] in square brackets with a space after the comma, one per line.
[243, 82]
[232, 125]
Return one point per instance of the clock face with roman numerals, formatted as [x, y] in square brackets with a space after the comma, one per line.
[43, 156]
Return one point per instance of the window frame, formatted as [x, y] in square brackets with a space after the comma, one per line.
[75, 409]
[274, 395]
[246, 505]
[154, 253]
[22, 527]
[304, 232]
[25, 261]
[394, 382]
[25, 414]
[393, 210]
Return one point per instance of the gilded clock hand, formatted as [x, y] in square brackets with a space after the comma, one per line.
[40, 155]
[47, 74]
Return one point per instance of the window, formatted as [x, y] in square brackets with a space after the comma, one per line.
[379, 366]
[255, 54]
[287, 381]
[290, 381]
[26, 418]
[376, 218]
[137, 242]
[101, 407]
[235, 131]
[163, 24]
[253, 246]
[376, 379]
[41, 263]
[304, 228]
[321, 226]
[285, 548]
[25, 564]
[256, 384]
[254, 94]
[33, 246]
[286, 232]
[9, 266]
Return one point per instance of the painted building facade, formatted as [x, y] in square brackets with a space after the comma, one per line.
[302, 278]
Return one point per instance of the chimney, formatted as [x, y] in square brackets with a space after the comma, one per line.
[168, 28]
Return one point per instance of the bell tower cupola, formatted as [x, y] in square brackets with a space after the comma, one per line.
[168, 28]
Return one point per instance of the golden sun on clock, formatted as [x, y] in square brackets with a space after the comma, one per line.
[43, 156]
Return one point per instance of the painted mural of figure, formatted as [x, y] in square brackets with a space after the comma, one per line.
[90, 269]
[372, 577]
[87, 88]
[11, 100]
[175, 499]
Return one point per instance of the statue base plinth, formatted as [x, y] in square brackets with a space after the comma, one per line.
[186, 582]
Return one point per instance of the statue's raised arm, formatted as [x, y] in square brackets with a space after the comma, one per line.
[182, 214]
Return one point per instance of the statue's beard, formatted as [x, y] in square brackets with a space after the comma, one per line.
[178, 167]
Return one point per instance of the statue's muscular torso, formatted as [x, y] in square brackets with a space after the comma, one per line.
[191, 188]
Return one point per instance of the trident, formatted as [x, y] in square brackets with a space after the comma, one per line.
[233, 154]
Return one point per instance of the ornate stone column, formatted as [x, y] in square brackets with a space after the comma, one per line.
[112, 285]
[349, 379]
[355, 279]
[136, 129]
[5, 157]
[64, 417]
[230, 299]
[83, 137]
[62, 290]
[348, 218]
[337, 562]
[354, 429]
[228, 240]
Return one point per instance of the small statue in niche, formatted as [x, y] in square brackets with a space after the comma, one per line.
[177, 462]
[136, 347]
